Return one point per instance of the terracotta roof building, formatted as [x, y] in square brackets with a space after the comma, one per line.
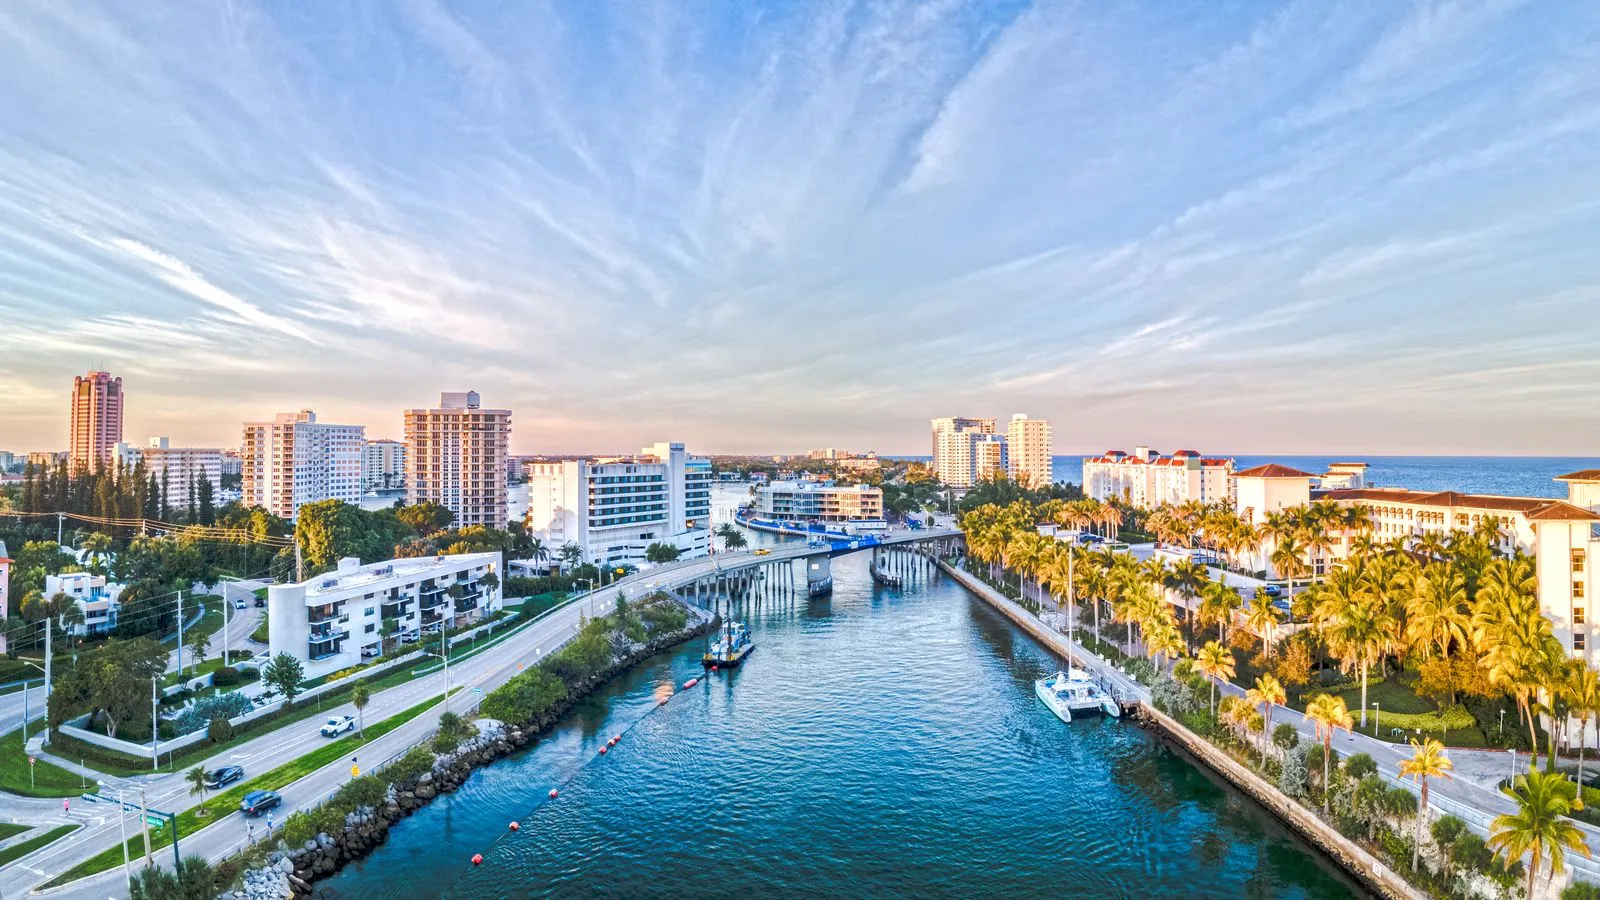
[1146, 479]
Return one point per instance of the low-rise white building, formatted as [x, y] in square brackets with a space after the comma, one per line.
[806, 502]
[614, 508]
[331, 621]
[175, 467]
[96, 598]
[1145, 479]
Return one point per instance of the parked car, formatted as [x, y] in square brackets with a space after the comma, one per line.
[371, 652]
[261, 603]
[257, 802]
[409, 637]
[224, 776]
[337, 725]
[240, 604]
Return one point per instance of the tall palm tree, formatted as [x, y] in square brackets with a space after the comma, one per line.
[197, 785]
[1163, 640]
[1216, 663]
[1217, 603]
[97, 551]
[1188, 579]
[1262, 617]
[1540, 827]
[360, 696]
[1511, 633]
[1327, 712]
[1583, 701]
[1268, 691]
[1435, 616]
[1429, 761]
[1288, 558]
[1360, 634]
[537, 551]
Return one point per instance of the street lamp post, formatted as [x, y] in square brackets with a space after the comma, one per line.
[1376, 712]
[1513, 752]
[446, 660]
[122, 829]
[25, 703]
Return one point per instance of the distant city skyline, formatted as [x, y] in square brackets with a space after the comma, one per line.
[1351, 228]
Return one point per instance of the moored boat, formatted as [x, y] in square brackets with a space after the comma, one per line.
[731, 646]
[1074, 691]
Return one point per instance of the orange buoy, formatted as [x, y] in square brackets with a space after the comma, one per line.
[604, 748]
[690, 683]
[515, 826]
[477, 859]
[554, 793]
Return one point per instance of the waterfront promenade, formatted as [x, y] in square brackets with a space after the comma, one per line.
[1471, 796]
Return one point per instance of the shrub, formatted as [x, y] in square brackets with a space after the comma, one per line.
[219, 730]
[1359, 766]
[408, 768]
[357, 792]
[1400, 802]
[1171, 697]
[1447, 828]
[1580, 890]
[227, 676]
[525, 698]
[1294, 779]
[227, 705]
[1285, 736]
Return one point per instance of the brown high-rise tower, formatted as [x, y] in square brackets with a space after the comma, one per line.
[96, 420]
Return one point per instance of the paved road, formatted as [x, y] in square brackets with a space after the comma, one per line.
[487, 670]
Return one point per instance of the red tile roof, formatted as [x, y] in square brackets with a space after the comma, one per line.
[1584, 475]
[1562, 511]
[1533, 508]
[1273, 470]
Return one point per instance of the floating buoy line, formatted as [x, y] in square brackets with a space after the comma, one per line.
[555, 792]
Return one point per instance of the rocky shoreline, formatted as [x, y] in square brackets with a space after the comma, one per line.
[293, 871]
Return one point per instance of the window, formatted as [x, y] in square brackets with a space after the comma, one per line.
[1577, 642]
[1577, 589]
[1577, 615]
[1577, 560]
[371, 627]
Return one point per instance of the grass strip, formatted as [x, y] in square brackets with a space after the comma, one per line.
[48, 780]
[18, 851]
[9, 830]
[190, 820]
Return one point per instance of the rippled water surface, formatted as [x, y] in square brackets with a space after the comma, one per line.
[881, 744]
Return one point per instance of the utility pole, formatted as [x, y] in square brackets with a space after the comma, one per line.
[299, 561]
[60, 518]
[144, 823]
[49, 626]
[227, 608]
[180, 632]
[155, 733]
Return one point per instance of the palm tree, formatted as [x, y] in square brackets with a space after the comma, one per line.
[1262, 617]
[1540, 827]
[1327, 712]
[197, 785]
[1434, 616]
[1361, 634]
[1267, 692]
[1288, 558]
[1511, 633]
[1216, 663]
[1583, 701]
[1188, 578]
[570, 554]
[360, 695]
[735, 541]
[1428, 762]
[537, 551]
[97, 550]
[1162, 639]
[1217, 603]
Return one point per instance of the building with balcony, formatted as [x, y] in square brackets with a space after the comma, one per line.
[383, 466]
[1145, 479]
[329, 621]
[97, 408]
[1029, 451]
[614, 508]
[175, 467]
[966, 451]
[806, 502]
[96, 598]
[294, 460]
[455, 456]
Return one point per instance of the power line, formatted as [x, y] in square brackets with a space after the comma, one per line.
[196, 532]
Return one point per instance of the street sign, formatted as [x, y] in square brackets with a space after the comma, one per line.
[477, 690]
[355, 771]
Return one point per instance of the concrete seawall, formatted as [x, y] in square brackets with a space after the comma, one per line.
[1370, 871]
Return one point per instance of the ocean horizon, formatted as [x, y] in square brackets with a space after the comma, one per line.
[1515, 476]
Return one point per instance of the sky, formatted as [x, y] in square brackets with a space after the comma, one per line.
[1313, 227]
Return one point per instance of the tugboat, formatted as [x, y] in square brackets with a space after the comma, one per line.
[730, 648]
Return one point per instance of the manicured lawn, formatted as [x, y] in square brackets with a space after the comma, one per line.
[11, 854]
[1390, 696]
[221, 804]
[190, 672]
[8, 830]
[48, 780]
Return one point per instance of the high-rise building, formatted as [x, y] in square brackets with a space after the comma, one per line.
[97, 406]
[966, 451]
[173, 466]
[614, 508]
[1028, 451]
[294, 460]
[456, 457]
[383, 466]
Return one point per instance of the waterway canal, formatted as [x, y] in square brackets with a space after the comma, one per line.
[881, 744]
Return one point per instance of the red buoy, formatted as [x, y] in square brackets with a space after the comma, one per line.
[617, 739]
[515, 826]
[690, 683]
[554, 793]
[713, 668]
[477, 859]
[603, 748]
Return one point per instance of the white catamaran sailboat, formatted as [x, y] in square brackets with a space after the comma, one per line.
[1064, 692]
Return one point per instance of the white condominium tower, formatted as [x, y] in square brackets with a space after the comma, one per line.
[294, 460]
[1028, 451]
[456, 457]
[175, 467]
[383, 465]
[614, 508]
[967, 450]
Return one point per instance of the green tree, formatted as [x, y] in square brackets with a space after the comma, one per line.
[197, 785]
[661, 552]
[116, 679]
[525, 698]
[199, 644]
[735, 541]
[1539, 828]
[193, 880]
[360, 696]
[426, 518]
[285, 673]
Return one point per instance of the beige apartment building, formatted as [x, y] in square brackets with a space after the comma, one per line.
[294, 460]
[456, 457]
[97, 407]
[967, 450]
[1029, 451]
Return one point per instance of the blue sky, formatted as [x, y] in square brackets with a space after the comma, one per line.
[1309, 227]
